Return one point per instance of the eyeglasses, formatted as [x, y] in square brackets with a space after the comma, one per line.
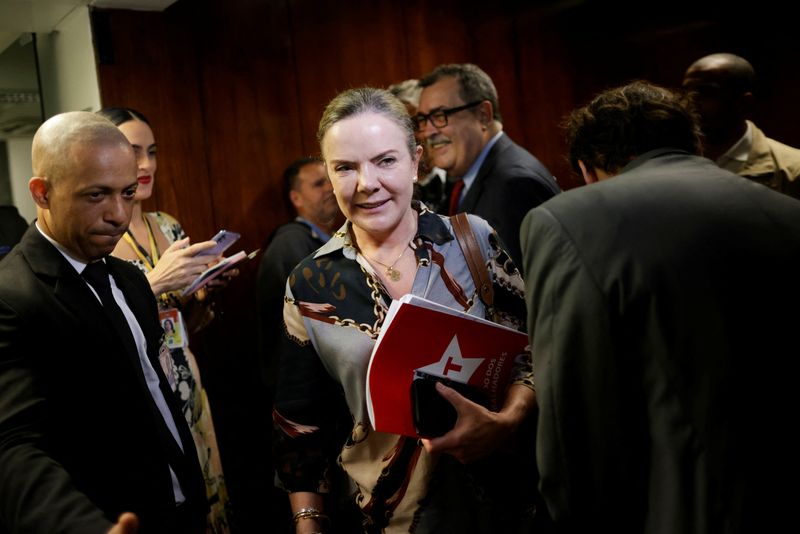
[439, 116]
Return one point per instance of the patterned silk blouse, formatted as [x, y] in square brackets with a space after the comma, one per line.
[334, 308]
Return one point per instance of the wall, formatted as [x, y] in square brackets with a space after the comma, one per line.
[18, 122]
[69, 82]
[20, 171]
[67, 65]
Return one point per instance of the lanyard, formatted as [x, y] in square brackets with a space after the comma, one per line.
[148, 260]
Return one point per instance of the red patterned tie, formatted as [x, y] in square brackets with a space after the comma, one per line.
[455, 196]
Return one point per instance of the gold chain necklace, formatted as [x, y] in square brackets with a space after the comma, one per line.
[391, 272]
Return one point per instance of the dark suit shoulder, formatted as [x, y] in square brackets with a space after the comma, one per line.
[510, 161]
[289, 244]
[293, 233]
[22, 282]
[292, 229]
[128, 270]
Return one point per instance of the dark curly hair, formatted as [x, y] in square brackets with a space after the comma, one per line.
[625, 122]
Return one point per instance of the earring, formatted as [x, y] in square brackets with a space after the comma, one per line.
[415, 179]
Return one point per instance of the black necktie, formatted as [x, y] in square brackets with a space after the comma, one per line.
[97, 274]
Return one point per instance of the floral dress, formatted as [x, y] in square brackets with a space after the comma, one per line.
[334, 308]
[184, 378]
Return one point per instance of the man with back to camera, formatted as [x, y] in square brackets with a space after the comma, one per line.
[722, 87]
[663, 353]
[89, 429]
[490, 175]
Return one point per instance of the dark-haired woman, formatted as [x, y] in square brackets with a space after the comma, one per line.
[156, 243]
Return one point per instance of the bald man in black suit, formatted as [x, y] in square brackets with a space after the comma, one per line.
[89, 429]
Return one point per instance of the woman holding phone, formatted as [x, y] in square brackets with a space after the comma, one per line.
[156, 243]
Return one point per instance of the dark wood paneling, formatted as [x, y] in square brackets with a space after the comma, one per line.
[437, 32]
[251, 106]
[543, 88]
[155, 71]
[338, 49]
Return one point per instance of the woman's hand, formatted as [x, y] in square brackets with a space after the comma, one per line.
[478, 431]
[179, 265]
[222, 280]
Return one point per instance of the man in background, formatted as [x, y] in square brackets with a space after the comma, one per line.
[663, 353]
[722, 89]
[430, 188]
[488, 174]
[311, 195]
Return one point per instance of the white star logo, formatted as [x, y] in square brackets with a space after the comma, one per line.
[452, 365]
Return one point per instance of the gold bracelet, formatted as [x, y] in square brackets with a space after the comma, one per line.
[309, 513]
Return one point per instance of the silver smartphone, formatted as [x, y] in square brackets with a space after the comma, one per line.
[224, 239]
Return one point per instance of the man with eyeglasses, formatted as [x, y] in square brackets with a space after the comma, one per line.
[488, 174]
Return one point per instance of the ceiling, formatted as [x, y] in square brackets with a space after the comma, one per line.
[42, 16]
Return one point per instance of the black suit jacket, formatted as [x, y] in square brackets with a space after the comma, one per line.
[510, 182]
[81, 439]
[662, 312]
[285, 248]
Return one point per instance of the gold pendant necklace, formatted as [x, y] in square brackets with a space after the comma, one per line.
[391, 272]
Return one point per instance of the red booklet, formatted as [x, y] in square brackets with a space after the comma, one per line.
[420, 337]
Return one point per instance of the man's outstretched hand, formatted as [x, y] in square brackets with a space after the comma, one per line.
[127, 523]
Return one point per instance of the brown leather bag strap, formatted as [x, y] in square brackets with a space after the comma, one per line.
[475, 261]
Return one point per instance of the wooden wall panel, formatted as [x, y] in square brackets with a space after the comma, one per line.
[543, 90]
[152, 67]
[338, 49]
[437, 32]
[252, 126]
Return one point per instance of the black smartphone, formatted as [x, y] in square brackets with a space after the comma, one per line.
[433, 415]
[224, 239]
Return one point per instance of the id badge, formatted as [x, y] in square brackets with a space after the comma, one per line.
[171, 320]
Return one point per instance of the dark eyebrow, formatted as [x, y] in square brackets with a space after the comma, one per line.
[383, 155]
